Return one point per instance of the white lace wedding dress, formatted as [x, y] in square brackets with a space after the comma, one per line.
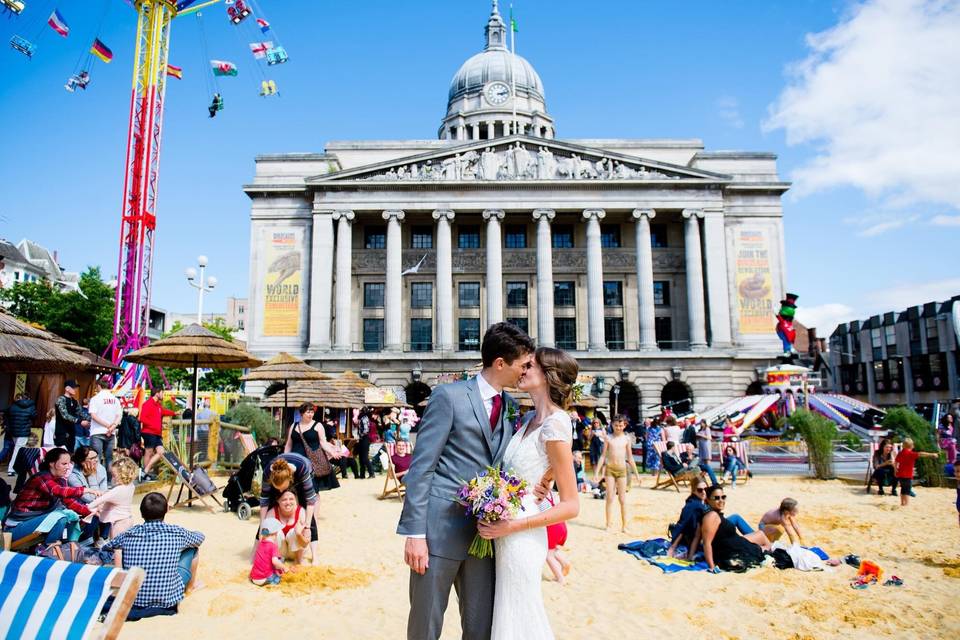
[518, 612]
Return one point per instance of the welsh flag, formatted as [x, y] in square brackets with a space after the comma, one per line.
[223, 68]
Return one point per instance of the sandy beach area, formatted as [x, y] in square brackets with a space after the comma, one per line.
[361, 589]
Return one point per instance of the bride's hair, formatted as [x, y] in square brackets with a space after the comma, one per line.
[560, 370]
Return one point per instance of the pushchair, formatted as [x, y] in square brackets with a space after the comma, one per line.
[239, 495]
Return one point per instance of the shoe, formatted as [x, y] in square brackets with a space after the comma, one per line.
[11, 474]
[912, 494]
[879, 493]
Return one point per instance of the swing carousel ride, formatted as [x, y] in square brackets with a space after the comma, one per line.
[145, 126]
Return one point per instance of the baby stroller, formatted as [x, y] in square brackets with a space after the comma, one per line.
[238, 495]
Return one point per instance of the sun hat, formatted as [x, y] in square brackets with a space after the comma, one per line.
[270, 526]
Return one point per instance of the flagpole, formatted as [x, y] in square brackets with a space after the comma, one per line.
[513, 68]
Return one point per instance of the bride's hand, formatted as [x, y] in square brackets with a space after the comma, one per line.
[494, 530]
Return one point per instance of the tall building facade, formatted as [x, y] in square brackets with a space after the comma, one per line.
[657, 263]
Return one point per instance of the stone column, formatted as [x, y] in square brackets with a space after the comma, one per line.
[647, 308]
[494, 267]
[715, 245]
[393, 288]
[695, 305]
[545, 334]
[321, 280]
[490, 129]
[344, 286]
[444, 284]
[595, 329]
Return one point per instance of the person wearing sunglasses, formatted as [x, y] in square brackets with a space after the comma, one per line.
[724, 547]
[685, 530]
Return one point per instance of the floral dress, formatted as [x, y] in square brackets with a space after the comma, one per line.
[654, 434]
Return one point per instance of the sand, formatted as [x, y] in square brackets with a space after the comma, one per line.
[359, 588]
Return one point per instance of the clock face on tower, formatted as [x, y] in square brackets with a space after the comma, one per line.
[497, 93]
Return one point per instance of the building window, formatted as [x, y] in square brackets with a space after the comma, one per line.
[521, 323]
[933, 335]
[658, 236]
[469, 334]
[375, 237]
[610, 236]
[565, 333]
[664, 331]
[661, 293]
[562, 236]
[890, 337]
[373, 334]
[516, 236]
[564, 294]
[421, 334]
[421, 238]
[469, 294]
[468, 237]
[613, 333]
[421, 295]
[517, 294]
[373, 295]
[876, 343]
[613, 293]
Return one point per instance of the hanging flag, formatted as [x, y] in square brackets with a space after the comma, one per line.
[263, 24]
[101, 50]
[513, 23]
[58, 24]
[223, 68]
[259, 49]
[175, 72]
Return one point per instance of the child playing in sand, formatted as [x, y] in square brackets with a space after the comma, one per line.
[906, 460]
[783, 516]
[115, 506]
[267, 564]
[614, 457]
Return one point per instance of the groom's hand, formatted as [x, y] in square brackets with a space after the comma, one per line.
[417, 555]
[542, 490]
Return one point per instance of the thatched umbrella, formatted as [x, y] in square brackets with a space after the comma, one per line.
[194, 346]
[321, 392]
[283, 368]
[25, 349]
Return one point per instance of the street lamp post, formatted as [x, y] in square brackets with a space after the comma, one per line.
[201, 287]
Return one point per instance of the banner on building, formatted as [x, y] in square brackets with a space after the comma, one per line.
[754, 280]
[282, 282]
[384, 396]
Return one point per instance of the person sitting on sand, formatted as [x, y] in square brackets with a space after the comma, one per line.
[401, 459]
[168, 555]
[291, 471]
[783, 516]
[905, 462]
[883, 468]
[685, 529]
[294, 538]
[724, 547]
[614, 458]
[677, 468]
[267, 562]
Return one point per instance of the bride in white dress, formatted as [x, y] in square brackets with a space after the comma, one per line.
[542, 444]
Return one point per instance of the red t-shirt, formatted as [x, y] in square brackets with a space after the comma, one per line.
[905, 462]
[263, 560]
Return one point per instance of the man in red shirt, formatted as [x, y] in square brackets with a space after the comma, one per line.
[151, 427]
[905, 462]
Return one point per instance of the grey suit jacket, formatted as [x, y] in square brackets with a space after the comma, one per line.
[454, 443]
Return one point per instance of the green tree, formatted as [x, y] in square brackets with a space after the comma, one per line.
[215, 380]
[84, 316]
[819, 433]
[261, 423]
[907, 423]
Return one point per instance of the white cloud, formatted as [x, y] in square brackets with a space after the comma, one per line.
[945, 221]
[825, 317]
[870, 226]
[877, 96]
[728, 109]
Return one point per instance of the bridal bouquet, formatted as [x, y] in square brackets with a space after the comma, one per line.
[491, 496]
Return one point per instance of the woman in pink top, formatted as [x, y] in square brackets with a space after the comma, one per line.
[115, 506]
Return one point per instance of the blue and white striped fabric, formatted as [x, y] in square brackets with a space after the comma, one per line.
[42, 598]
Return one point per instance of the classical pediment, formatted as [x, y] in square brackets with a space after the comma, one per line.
[518, 158]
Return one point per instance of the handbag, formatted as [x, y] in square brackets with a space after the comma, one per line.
[318, 457]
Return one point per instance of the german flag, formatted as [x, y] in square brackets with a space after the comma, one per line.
[175, 72]
[101, 50]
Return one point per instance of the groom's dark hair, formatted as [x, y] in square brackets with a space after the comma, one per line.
[505, 340]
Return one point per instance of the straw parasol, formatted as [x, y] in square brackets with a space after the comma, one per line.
[320, 392]
[283, 367]
[194, 346]
[26, 349]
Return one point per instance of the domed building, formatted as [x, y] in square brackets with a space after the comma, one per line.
[656, 262]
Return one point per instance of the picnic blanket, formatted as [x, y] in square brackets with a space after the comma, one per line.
[654, 551]
[73, 523]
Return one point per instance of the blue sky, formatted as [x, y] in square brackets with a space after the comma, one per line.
[861, 115]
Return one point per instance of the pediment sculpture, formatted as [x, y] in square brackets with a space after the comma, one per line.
[517, 162]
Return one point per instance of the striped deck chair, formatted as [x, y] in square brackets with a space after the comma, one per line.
[668, 480]
[44, 599]
[742, 451]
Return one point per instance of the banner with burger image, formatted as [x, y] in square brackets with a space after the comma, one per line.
[754, 281]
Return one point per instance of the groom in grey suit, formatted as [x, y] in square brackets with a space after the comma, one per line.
[464, 430]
